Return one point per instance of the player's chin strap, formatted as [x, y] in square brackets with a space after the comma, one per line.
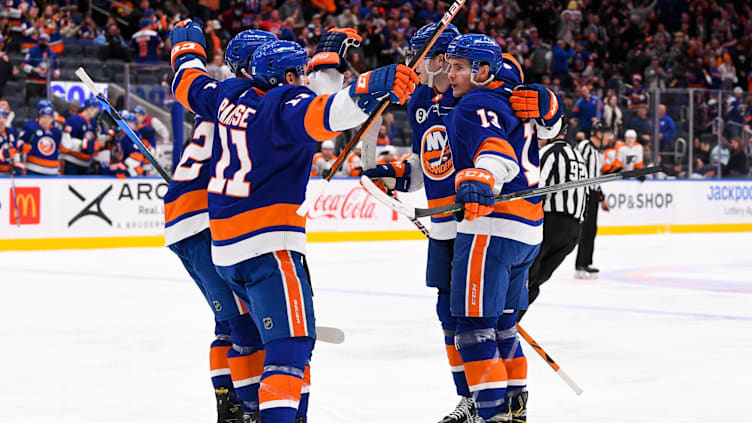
[432, 74]
[480, 84]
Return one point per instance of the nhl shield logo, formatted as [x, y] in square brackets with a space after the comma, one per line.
[436, 154]
[268, 324]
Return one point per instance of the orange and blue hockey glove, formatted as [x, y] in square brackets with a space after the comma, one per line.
[331, 51]
[391, 176]
[534, 101]
[474, 190]
[395, 82]
[188, 42]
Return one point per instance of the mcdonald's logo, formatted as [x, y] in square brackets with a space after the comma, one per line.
[28, 206]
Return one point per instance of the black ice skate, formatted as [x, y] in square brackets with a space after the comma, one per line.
[228, 408]
[518, 406]
[251, 418]
[587, 272]
[465, 412]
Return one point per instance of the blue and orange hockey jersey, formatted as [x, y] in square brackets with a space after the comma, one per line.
[42, 148]
[146, 43]
[84, 133]
[261, 161]
[483, 124]
[7, 148]
[433, 154]
[38, 63]
[186, 203]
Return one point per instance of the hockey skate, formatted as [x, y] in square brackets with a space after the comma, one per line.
[465, 412]
[518, 406]
[251, 418]
[587, 272]
[228, 408]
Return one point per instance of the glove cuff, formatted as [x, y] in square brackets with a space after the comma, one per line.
[184, 51]
[473, 174]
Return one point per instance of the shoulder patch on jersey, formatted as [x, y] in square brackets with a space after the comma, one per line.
[436, 154]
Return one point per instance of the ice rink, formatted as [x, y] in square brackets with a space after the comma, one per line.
[122, 335]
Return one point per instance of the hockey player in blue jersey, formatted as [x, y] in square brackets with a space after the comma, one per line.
[268, 135]
[433, 155]
[494, 152]
[80, 139]
[9, 155]
[40, 142]
[236, 354]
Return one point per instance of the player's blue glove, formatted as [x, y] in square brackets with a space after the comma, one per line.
[331, 51]
[534, 101]
[474, 190]
[394, 175]
[395, 82]
[188, 42]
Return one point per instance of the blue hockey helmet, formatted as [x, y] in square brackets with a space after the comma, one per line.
[271, 61]
[46, 110]
[478, 49]
[241, 48]
[129, 117]
[138, 110]
[43, 103]
[511, 71]
[91, 102]
[442, 42]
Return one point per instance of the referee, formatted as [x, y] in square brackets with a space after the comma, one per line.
[562, 211]
[590, 150]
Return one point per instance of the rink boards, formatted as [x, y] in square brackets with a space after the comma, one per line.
[70, 212]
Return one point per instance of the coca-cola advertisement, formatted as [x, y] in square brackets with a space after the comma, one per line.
[346, 206]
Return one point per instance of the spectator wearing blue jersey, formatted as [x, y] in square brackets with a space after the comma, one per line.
[562, 54]
[667, 129]
[586, 109]
[146, 43]
[39, 65]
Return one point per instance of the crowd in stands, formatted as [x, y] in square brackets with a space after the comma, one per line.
[604, 58]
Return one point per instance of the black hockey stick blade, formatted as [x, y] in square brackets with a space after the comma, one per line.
[533, 192]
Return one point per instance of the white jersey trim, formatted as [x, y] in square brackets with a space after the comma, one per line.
[443, 231]
[227, 255]
[278, 404]
[186, 227]
[42, 169]
[503, 228]
[73, 159]
[344, 112]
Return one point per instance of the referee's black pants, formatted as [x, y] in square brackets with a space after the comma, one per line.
[560, 235]
[587, 235]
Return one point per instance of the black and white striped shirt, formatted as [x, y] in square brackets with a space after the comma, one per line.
[561, 163]
[592, 157]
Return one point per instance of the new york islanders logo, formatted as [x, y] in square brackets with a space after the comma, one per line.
[46, 146]
[436, 154]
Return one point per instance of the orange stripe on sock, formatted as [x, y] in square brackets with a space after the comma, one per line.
[481, 372]
[295, 305]
[218, 358]
[247, 366]
[516, 368]
[454, 356]
[280, 387]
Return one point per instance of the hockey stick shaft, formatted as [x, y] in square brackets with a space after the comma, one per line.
[13, 192]
[130, 133]
[445, 20]
[534, 192]
[541, 352]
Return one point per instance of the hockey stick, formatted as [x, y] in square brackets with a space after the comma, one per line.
[559, 371]
[13, 191]
[445, 20]
[411, 212]
[130, 133]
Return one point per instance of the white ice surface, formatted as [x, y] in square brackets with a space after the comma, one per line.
[665, 335]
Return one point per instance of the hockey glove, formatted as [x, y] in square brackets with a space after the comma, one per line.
[534, 101]
[331, 52]
[391, 176]
[188, 42]
[395, 82]
[474, 190]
